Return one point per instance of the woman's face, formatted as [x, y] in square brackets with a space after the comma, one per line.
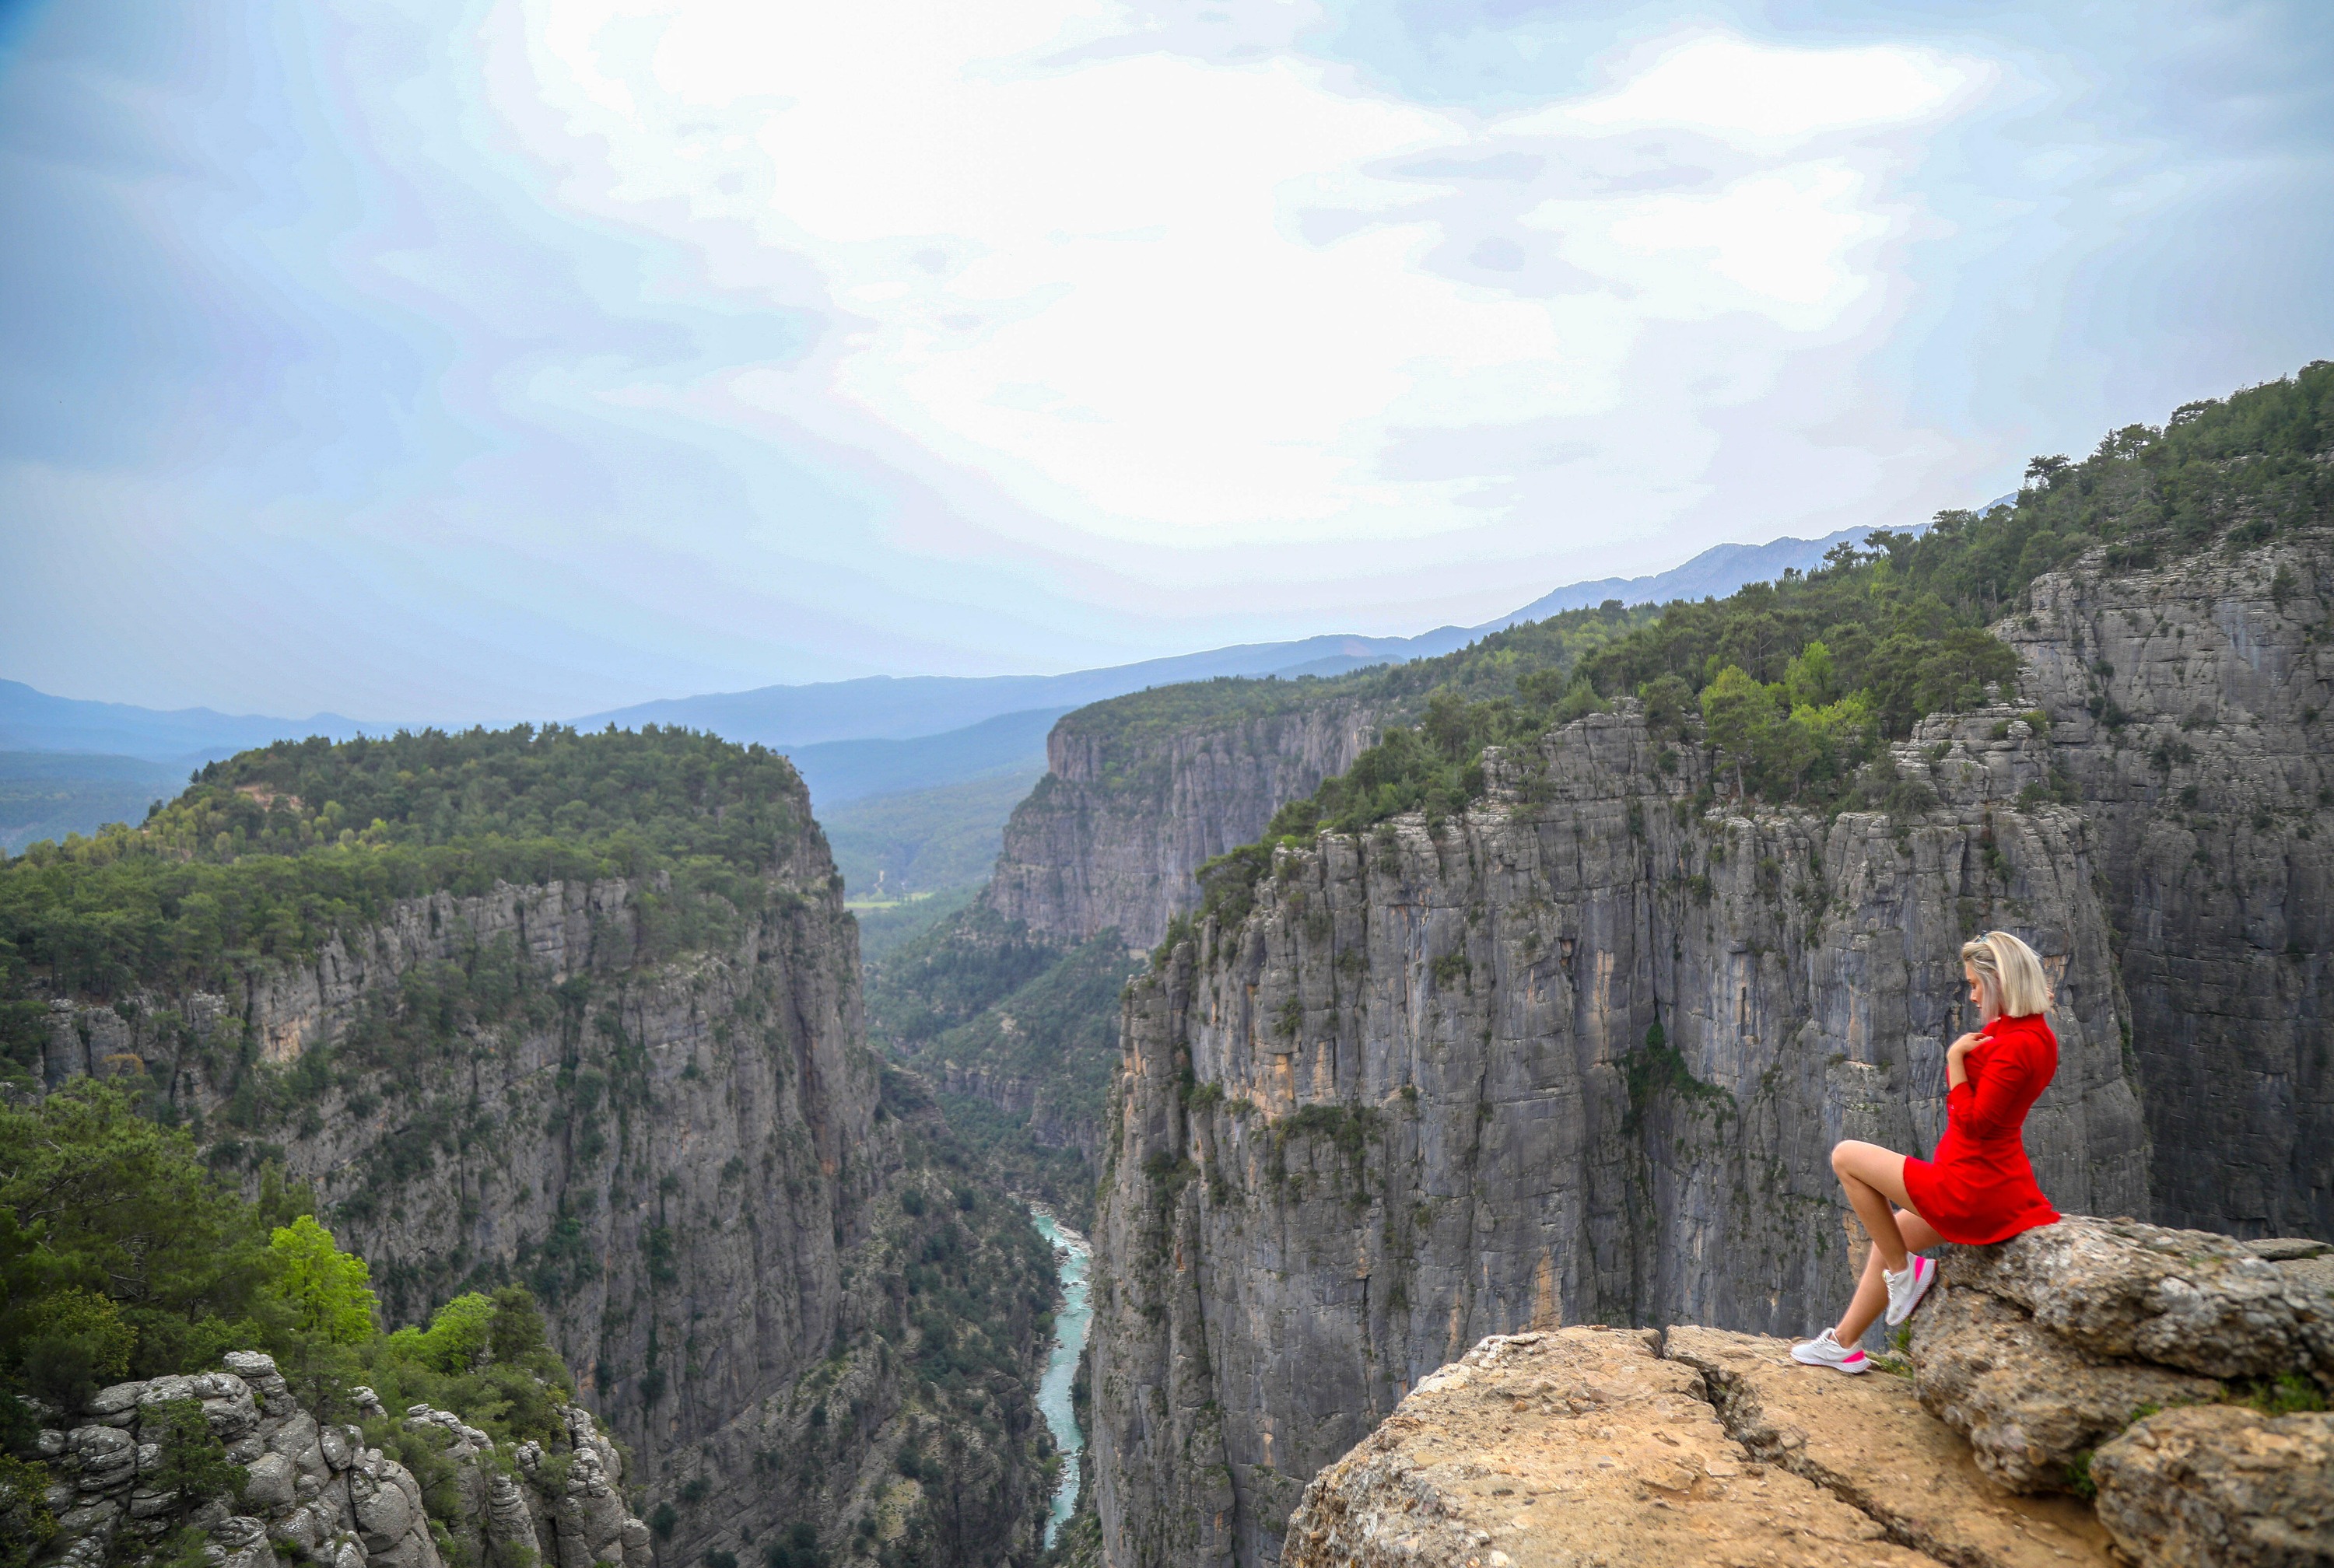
[1977, 993]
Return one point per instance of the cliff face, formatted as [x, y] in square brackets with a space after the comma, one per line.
[2190, 704]
[1113, 833]
[665, 1122]
[1580, 1058]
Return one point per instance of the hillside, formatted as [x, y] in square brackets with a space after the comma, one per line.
[579, 1012]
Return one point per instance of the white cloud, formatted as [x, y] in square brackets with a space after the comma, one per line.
[1081, 271]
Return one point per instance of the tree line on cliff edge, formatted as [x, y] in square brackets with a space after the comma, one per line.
[1798, 683]
[269, 853]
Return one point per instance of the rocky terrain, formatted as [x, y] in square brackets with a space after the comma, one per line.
[1608, 1447]
[297, 1487]
[681, 1143]
[1578, 1060]
[1125, 816]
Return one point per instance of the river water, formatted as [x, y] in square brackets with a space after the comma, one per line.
[1070, 1325]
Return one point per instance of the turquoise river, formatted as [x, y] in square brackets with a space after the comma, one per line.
[1062, 1366]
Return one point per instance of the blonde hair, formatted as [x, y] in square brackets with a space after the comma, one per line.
[2009, 972]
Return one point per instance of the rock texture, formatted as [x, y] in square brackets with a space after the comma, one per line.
[2190, 707]
[1597, 1448]
[316, 1492]
[1113, 833]
[1601, 1447]
[2044, 1347]
[1581, 1057]
[2221, 1485]
[1868, 1441]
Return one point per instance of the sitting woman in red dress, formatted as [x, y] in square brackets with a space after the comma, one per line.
[1980, 1187]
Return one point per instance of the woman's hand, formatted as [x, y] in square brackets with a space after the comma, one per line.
[1956, 1061]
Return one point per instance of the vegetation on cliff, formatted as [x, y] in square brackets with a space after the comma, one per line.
[1493, 668]
[123, 1256]
[1798, 682]
[269, 853]
[1009, 1029]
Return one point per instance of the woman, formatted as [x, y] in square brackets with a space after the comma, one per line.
[1980, 1187]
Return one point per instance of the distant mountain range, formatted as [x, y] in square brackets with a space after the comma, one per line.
[858, 738]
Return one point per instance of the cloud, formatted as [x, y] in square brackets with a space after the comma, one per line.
[1165, 302]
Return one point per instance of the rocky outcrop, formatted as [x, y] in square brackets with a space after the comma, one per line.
[1610, 1448]
[313, 1490]
[2042, 1349]
[2223, 1485]
[1126, 814]
[2190, 705]
[1581, 1056]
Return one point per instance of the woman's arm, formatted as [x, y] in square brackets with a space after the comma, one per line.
[1956, 1065]
[1998, 1105]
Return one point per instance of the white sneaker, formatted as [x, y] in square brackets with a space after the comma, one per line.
[1824, 1350]
[1906, 1288]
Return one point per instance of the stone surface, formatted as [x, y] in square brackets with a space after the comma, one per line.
[1113, 833]
[1417, 1095]
[2028, 1401]
[2221, 1486]
[2181, 1298]
[1867, 1441]
[1581, 1448]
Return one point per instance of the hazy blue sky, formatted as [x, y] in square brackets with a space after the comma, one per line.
[528, 357]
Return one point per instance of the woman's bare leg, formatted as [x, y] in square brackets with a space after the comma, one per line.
[1871, 1298]
[1874, 1180]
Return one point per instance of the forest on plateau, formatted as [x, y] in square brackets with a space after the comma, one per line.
[1798, 683]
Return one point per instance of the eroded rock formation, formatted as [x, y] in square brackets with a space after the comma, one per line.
[315, 1490]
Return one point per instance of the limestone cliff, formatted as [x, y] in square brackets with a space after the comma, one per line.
[1124, 815]
[1580, 1057]
[2190, 707]
[659, 1114]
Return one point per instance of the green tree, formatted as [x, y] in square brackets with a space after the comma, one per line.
[457, 1339]
[330, 1291]
[119, 1251]
[1736, 714]
[193, 1465]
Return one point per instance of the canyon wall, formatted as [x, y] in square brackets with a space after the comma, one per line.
[661, 1116]
[1581, 1057]
[2189, 707]
[1126, 816]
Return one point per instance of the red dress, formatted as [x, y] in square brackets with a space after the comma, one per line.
[1980, 1187]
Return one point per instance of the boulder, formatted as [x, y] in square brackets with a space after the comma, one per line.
[384, 1512]
[2183, 1298]
[2221, 1486]
[2028, 1401]
[270, 1483]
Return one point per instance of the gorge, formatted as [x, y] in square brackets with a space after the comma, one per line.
[1355, 1020]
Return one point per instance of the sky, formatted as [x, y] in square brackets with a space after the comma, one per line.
[524, 358]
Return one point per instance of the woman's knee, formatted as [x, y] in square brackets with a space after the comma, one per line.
[1844, 1154]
